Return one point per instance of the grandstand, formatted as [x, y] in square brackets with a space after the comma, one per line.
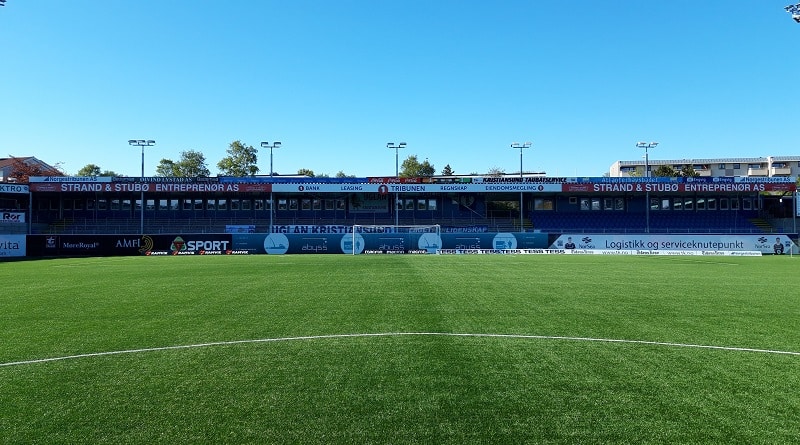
[551, 206]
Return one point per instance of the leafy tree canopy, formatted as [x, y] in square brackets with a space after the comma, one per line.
[306, 172]
[191, 165]
[241, 160]
[447, 171]
[94, 170]
[23, 168]
[412, 168]
[496, 171]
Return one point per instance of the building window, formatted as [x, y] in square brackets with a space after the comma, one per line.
[305, 204]
[736, 166]
[432, 204]
[722, 166]
[316, 204]
[543, 204]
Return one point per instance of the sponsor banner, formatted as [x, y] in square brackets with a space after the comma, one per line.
[240, 228]
[296, 180]
[119, 245]
[596, 252]
[187, 244]
[464, 229]
[120, 187]
[525, 180]
[12, 217]
[368, 203]
[396, 180]
[766, 244]
[14, 188]
[167, 179]
[85, 245]
[674, 187]
[34, 179]
[416, 188]
[12, 246]
[382, 242]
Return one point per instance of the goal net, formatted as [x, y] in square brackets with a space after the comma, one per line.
[396, 239]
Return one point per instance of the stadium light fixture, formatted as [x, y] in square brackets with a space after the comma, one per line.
[141, 143]
[647, 146]
[272, 146]
[794, 10]
[517, 145]
[275, 144]
[396, 148]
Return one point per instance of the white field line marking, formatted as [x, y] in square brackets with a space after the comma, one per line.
[391, 334]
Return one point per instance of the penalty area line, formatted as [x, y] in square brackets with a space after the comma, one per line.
[397, 334]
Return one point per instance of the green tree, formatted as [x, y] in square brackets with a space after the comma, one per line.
[495, 171]
[665, 171]
[689, 172]
[89, 170]
[447, 171]
[191, 165]
[306, 172]
[241, 160]
[342, 174]
[412, 168]
[94, 170]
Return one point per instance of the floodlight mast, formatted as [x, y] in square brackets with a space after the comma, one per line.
[794, 10]
[141, 143]
[516, 145]
[396, 148]
[272, 146]
[647, 146]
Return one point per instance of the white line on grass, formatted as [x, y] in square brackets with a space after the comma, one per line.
[391, 334]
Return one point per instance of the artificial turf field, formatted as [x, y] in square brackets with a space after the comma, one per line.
[257, 349]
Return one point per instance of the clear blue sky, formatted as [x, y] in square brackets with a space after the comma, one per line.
[457, 80]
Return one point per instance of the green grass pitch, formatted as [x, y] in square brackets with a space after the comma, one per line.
[547, 379]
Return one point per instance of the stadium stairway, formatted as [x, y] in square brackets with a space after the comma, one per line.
[762, 224]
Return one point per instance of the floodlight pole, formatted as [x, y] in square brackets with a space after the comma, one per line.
[142, 143]
[516, 145]
[396, 148]
[647, 146]
[275, 144]
[794, 10]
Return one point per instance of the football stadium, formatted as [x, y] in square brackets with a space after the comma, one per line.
[534, 309]
[656, 303]
[54, 216]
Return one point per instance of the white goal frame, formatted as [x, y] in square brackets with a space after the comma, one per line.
[359, 229]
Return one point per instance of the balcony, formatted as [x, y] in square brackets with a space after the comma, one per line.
[780, 171]
[761, 171]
